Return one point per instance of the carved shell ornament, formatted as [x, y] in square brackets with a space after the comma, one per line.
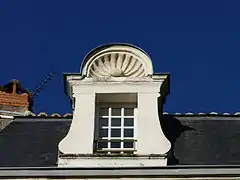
[118, 61]
[117, 65]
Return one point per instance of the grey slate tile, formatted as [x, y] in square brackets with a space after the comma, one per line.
[213, 142]
[31, 143]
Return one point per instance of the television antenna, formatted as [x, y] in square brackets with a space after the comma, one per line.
[42, 84]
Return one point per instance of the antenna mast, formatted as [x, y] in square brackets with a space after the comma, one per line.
[42, 84]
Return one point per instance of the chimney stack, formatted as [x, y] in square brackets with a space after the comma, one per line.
[14, 100]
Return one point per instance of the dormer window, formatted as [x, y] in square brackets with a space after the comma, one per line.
[115, 123]
[116, 129]
[115, 116]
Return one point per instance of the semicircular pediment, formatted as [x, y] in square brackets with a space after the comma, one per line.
[117, 61]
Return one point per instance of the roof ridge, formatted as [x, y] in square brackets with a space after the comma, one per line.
[45, 114]
[66, 115]
[203, 113]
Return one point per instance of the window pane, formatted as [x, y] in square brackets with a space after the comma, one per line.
[115, 145]
[103, 133]
[103, 122]
[128, 132]
[128, 144]
[128, 121]
[116, 111]
[103, 112]
[115, 132]
[116, 122]
[102, 145]
[128, 111]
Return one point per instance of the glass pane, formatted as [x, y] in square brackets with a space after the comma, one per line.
[128, 144]
[128, 111]
[103, 112]
[115, 145]
[116, 122]
[103, 122]
[116, 111]
[128, 121]
[102, 145]
[115, 132]
[103, 133]
[128, 132]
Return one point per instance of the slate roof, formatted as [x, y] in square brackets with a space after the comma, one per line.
[196, 140]
[32, 142]
[203, 140]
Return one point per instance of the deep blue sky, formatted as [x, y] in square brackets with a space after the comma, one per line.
[198, 42]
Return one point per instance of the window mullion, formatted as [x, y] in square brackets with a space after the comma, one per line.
[135, 128]
[109, 128]
[122, 128]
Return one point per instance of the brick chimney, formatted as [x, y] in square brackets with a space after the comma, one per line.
[14, 100]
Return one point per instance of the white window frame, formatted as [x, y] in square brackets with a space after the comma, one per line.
[133, 139]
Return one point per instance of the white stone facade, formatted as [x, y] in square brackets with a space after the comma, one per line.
[112, 70]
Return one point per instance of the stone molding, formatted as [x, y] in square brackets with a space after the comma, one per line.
[118, 61]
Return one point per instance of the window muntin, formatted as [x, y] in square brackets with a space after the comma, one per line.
[116, 132]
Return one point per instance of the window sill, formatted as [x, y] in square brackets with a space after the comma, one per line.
[111, 155]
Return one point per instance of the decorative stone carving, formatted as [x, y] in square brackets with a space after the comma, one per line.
[117, 65]
[117, 61]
